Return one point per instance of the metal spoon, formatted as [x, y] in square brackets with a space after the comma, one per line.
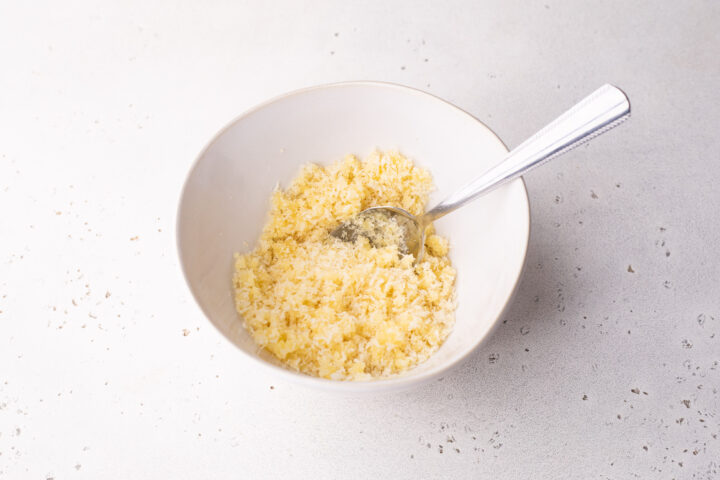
[595, 114]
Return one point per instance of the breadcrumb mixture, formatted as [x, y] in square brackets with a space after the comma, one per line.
[345, 311]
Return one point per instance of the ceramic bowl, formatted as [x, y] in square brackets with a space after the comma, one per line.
[225, 203]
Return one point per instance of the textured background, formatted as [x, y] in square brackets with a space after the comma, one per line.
[606, 365]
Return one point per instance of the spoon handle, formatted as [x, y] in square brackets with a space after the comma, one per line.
[595, 114]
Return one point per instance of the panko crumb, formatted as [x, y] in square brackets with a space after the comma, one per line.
[340, 310]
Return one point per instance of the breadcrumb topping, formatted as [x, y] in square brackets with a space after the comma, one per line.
[338, 310]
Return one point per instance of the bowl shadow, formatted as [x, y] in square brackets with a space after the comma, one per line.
[530, 326]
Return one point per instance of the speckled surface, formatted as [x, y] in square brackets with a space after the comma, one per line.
[606, 365]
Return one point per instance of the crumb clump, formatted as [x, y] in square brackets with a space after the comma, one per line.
[338, 310]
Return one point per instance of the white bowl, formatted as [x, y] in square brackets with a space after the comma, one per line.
[225, 202]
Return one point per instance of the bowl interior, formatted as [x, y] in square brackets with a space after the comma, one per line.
[226, 199]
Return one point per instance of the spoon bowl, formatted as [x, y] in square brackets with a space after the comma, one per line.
[383, 226]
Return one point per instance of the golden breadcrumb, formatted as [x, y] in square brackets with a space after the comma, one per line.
[345, 311]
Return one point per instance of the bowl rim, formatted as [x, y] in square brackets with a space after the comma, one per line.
[383, 384]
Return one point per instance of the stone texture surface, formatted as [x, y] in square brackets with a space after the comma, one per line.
[606, 365]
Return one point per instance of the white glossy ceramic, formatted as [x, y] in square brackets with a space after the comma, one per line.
[226, 197]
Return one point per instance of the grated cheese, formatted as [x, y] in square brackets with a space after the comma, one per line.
[345, 311]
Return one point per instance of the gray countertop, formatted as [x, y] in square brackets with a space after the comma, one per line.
[605, 366]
